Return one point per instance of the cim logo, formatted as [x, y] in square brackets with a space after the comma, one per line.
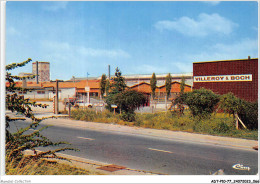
[223, 78]
[241, 167]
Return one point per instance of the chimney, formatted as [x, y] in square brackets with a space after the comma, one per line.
[249, 57]
[109, 72]
[37, 73]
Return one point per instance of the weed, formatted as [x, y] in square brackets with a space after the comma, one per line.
[217, 124]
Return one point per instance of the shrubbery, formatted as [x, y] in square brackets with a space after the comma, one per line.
[216, 124]
[125, 100]
[201, 102]
[246, 111]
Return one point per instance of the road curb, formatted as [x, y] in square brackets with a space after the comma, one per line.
[92, 165]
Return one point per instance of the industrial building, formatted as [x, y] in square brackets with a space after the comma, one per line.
[238, 76]
[78, 89]
[41, 70]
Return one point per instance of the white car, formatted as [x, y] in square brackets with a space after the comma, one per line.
[81, 103]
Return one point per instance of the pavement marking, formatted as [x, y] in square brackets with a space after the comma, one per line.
[160, 150]
[86, 138]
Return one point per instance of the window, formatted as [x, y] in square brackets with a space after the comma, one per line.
[40, 92]
[22, 92]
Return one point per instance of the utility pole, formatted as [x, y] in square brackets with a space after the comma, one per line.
[88, 100]
[165, 103]
[37, 72]
[108, 72]
[57, 97]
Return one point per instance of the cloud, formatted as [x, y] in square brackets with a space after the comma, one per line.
[55, 6]
[220, 51]
[205, 25]
[183, 67]
[213, 3]
[148, 69]
[103, 53]
[68, 59]
[64, 47]
[239, 50]
[56, 46]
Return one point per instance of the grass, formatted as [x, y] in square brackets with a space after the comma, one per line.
[44, 167]
[219, 124]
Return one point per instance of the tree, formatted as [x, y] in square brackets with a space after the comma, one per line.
[22, 140]
[153, 83]
[180, 103]
[128, 101]
[117, 85]
[107, 88]
[103, 84]
[229, 103]
[202, 102]
[168, 85]
[118, 82]
[182, 86]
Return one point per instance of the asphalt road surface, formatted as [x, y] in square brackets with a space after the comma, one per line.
[158, 155]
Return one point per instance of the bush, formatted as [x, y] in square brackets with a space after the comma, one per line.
[127, 116]
[229, 103]
[248, 113]
[202, 102]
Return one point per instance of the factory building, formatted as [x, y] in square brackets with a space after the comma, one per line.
[238, 76]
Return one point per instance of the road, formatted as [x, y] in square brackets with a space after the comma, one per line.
[154, 154]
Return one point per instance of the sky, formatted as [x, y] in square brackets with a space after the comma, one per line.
[137, 37]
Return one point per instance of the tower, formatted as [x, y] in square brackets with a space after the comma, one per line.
[43, 71]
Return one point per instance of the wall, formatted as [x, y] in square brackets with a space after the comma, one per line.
[63, 93]
[35, 95]
[247, 90]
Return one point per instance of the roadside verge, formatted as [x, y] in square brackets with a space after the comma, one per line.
[173, 135]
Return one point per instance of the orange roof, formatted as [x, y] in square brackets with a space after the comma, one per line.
[81, 84]
[29, 84]
[90, 83]
[94, 86]
[176, 87]
[142, 87]
[146, 88]
[61, 84]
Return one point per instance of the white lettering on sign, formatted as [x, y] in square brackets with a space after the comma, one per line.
[223, 78]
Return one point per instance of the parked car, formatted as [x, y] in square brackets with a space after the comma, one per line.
[81, 103]
[69, 100]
